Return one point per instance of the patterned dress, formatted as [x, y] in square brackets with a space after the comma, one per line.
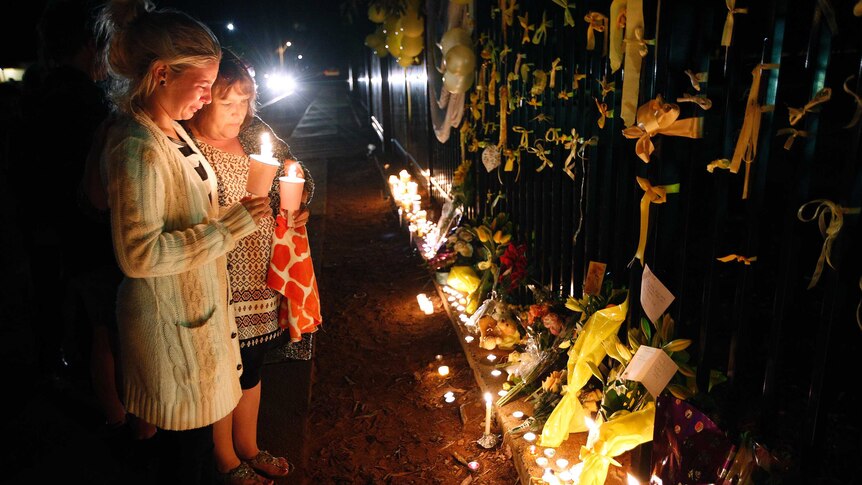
[255, 305]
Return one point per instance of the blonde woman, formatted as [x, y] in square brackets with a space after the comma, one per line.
[177, 338]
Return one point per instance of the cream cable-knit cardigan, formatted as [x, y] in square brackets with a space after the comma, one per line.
[178, 341]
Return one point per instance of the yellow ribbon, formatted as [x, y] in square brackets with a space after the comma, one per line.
[639, 43]
[489, 127]
[543, 118]
[793, 132]
[607, 87]
[604, 113]
[534, 102]
[539, 150]
[696, 78]
[656, 117]
[569, 20]
[828, 229]
[525, 24]
[525, 71]
[702, 101]
[610, 439]
[492, 86]
[541, 33]
[739, 259]
[796, 114]
[540, 82]
[553, 136]
[525, 136]
[474, 105]
[633, 62]
[652, 195]
[727, 33]
[576, 78]
[596, 23]
[508, 15]
[570, 144]
[568, 416]
[504, 100]
[721, 163]
[518, 58]
[565, 95]
[746, 145]
[513, 156]
[555, 66]
[617, 29]
[858, 113]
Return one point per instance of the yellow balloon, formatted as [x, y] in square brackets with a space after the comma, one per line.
[392, 24]
[457, 84]
[393, 43]
[376, 14]
[405, 61]
[375, 40]
[381, 52]
[411, 46]
[460, 60]
[453, 37]
[413, 24]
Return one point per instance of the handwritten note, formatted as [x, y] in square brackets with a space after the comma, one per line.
[651, 367]
[655, 297]
[595, 276]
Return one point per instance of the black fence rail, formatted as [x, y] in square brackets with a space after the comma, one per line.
[789, 352]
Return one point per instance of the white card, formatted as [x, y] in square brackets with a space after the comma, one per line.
[655, 297]
[652, 367]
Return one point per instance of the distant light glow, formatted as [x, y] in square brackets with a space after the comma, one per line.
[288, 44]
[230, 26]
[281, 83]
[299, 56]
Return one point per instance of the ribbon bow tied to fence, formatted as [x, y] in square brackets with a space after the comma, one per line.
[597, 22]
[857, 99]
[702, 101]
[796, 114]
[793, 132]
[639, 40]
[541, 33]
[652, 195]
[655, 117]
[696, 78]
[569, 20]
[604, 112]
[738, 258]
[830, 218]
[727, 33]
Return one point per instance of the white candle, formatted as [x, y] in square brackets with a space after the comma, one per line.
[487, 413]
[518, 414]
[265, 146]
[443, 370]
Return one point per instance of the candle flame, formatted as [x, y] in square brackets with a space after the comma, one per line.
[265, 145]
[630, 480]
[488, 398]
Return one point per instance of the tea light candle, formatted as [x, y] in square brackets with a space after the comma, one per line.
[518, 414]
[473, 465]
[492, 357]
[487, 413]
[550, 452]
[468, 338]
[562, 463]
[496, 372]
[530, 436]
[443, 370]
[542, 461]
[265, 146]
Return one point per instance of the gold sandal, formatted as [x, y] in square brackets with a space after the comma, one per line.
[270, 466]
[244, 474]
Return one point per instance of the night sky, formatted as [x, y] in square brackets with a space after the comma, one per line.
[315, 27]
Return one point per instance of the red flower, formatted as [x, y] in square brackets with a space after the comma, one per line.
[513, 264]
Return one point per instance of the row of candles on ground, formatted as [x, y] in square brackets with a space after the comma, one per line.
[409, 202]
[563, 474]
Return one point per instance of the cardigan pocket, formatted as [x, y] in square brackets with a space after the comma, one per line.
[198, 322]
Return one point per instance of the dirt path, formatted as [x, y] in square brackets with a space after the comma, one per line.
[378, 413]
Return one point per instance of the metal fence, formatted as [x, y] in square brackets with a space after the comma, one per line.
[788, 351]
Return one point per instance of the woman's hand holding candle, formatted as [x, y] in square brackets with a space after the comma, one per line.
[257, 207]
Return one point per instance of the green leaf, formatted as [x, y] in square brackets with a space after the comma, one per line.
[596, 372]
[680, 392]
[686, 370]
[677, 345]
[646, 329]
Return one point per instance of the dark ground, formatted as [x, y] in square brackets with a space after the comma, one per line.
[368, 408]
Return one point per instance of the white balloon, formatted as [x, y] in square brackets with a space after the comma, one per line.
[457, 84]
[453, 37]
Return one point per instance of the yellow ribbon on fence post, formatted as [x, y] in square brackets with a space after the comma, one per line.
[739, 259]
[639, 42]
[604, 113]
[555, 66]
[793, 132]
[539, 151]
[567, 16]
[525, 24]
[504, 129]
[727, 33]
[652, 195]
[656, 117]
[796, 114]
[829, 230]
[596, 22]
[633, 63]
[617, 29]
[746, 145]
[541, 33]
[696, 78]
[857, 99]
[702, 101]
[571, 145]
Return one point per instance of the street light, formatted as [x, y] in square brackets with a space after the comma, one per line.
[299, 56]
[230, 26]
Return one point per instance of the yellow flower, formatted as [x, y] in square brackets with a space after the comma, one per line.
[483, 233]
[553, 382]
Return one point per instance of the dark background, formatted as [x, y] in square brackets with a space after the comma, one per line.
[320, 30]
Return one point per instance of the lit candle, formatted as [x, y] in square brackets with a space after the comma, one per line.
[404, 175]
[468, 338]
[265, 146]
[443, 370]
[473, 465]
[502, 392]
[492, 357]
[487, 413]
[549, 452]
[450, 399]
[542, 461]
[630, 480]
[530, 436]
[562, 463]
[518, 414]
[496, 372]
